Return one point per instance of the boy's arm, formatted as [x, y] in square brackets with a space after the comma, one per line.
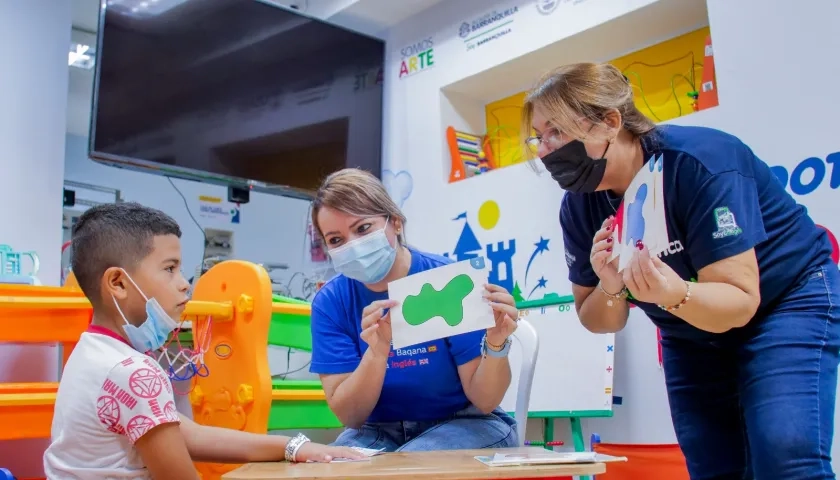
[224, 445]
[165, 455]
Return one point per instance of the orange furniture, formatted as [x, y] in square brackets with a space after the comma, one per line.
[32, 315]
[644, 462]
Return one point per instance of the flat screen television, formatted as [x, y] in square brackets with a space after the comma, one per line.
[234, 92]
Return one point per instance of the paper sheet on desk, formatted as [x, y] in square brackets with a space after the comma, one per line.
[370, 452]
[545, 458]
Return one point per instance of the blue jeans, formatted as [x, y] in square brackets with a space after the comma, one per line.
[759, 402]
[467, 429]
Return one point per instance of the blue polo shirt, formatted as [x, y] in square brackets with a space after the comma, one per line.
[421, 382]
[720, 200]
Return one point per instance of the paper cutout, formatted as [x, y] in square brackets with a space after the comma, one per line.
[447, 302]
[440, 303]
[641, 215]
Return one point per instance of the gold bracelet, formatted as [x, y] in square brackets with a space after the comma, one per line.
[683, 302]
[621, 295]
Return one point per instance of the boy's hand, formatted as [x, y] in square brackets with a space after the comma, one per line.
[323, 453]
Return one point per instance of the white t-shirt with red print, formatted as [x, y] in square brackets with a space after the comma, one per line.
[110, 395]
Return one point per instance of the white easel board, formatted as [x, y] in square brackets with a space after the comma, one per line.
[574, 371]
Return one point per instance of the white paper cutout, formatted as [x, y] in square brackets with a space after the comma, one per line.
[641, 215]
[454, 291]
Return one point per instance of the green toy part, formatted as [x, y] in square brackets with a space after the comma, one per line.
[447, 303]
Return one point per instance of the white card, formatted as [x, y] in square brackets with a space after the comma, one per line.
[440, 303]
[644, 214]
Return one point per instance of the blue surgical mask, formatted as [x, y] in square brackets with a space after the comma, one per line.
[151, 334]
[367, 259]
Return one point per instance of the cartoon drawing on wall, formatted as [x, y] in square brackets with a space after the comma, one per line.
[541, 246]
[439, 303]
[398, 184]
[501, 254]
[468, 246]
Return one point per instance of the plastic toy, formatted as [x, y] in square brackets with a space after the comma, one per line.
[470, 155]
[10, 267]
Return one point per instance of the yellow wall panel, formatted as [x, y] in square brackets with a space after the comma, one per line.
[662, 77]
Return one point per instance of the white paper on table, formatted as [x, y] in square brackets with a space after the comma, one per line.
[644, 214]
[454, 291]
[369, 452]
[545, 458]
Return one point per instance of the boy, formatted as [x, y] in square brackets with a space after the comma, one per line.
[115, 413]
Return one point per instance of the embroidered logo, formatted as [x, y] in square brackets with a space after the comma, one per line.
[725, 223]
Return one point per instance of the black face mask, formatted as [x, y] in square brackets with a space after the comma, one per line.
[573, 169]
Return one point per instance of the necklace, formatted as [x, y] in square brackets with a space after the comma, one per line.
[610, 201]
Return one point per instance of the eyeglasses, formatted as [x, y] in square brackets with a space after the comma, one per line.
[553, 141]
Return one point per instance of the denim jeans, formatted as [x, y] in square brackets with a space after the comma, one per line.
[759, 403]
[467, 429]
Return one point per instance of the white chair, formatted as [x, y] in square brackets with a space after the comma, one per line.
[526, 337]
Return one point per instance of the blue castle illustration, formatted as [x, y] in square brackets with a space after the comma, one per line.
[499, 255]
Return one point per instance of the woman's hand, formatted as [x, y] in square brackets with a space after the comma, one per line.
[602, 245]
[505, 313]
[650, 280]
[376, 327]
[316, 452]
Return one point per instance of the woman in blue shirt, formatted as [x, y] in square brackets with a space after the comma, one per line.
[437, 395]
[745, 294]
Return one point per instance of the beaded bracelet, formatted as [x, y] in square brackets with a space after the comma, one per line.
[683, 302]
[621, 295]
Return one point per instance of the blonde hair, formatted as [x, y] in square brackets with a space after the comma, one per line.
[355, 192]
[584, 90]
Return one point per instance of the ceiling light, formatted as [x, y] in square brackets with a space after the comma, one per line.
[81, 56]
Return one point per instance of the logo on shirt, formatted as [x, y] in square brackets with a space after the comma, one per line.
[725, 223]
[411, 354]
[674, 247]
[570, 259]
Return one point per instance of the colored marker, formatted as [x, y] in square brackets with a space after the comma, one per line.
[554, 443]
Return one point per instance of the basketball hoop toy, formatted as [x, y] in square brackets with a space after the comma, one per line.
[183, 363]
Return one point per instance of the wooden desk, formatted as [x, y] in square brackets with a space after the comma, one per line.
[447, 465]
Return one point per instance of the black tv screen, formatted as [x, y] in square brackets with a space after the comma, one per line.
[235, 92]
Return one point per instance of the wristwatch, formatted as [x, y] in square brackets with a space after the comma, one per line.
[294, 445]
[495, 353]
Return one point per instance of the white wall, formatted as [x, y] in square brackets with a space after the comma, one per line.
[33, 98]
[271, 227]
[775, 82]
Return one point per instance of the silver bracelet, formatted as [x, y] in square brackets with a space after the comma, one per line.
[293, 445]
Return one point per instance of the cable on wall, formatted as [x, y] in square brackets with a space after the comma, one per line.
[199, 270]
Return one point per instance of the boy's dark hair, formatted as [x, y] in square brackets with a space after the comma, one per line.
[115, 235]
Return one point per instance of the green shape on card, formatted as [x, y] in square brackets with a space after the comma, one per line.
[430, 303]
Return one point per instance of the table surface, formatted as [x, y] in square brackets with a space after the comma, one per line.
[442, 465]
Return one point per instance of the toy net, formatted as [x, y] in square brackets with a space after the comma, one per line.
[185, 361]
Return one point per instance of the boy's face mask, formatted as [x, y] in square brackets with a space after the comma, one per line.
[153, 332]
